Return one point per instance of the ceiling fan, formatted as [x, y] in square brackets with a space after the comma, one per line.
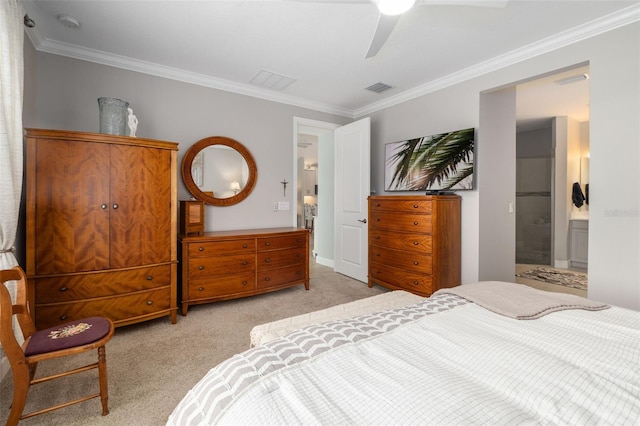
[392, 10]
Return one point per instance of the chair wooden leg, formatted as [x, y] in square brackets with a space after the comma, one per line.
[21, 382]
[102, 376]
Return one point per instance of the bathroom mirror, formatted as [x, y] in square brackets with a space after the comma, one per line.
[219, 171]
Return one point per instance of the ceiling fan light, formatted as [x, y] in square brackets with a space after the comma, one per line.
[394, 7]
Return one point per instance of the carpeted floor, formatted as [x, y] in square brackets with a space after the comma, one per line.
[152, 365]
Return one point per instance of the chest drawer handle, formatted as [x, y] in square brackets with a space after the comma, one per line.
[149, 277]
[416, 282]
[377, 237]
[200, 248]
[415, 243]
[115, 206]
[377, 204]
[415, 262]
[245, 263]
[244, 283]
[415, 223]
[415, 206]
[63, 289]
[103, 206]
[267, 244]
[63, 318]
[149, 302]
[201, 267]
[200, 288]
[244, 246]
[267, 260]
[267, 279]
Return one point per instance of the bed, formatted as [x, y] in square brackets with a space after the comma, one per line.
[486, 353]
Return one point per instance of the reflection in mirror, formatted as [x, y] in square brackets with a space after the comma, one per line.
[219, 171]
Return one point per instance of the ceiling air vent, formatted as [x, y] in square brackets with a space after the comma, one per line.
[271, 80]
[378, 87]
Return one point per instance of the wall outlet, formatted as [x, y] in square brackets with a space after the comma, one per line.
[283, 205]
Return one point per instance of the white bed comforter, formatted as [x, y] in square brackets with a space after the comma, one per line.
[462, 366]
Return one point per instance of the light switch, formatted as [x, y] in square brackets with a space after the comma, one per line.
[283, 205]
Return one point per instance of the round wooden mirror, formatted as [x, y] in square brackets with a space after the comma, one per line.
[219, 171]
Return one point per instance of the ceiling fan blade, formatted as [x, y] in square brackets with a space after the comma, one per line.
[385, 26]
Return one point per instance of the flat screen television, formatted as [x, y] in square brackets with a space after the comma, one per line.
[437, 163]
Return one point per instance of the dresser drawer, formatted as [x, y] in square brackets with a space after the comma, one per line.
[221, 265]
[278, 277]
[117, 308]
[221, 286]
[287, 241]
[401, 241]
[215, 248]
[408, 280]
[77, 287]
[420, 223]
[401, 206]
[414, 261]
[280, 258]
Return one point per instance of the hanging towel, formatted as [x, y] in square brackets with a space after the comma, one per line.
[577, 195]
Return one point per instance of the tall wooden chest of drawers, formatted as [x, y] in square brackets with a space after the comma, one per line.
[226, 265]
[414, 242]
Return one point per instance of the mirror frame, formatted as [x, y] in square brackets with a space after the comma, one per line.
[187, 163]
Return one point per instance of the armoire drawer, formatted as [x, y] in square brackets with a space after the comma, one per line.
[404, 223]
[413, 261]
[277, 277]
[220, 286]
[275, 243]
[422, 243]
[279, 258]
[220, 265]
[116, 308]
[406, 280]
[66, 288]
[400, 206]
[217, 248]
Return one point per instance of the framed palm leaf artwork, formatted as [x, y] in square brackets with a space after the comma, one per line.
[442, 162]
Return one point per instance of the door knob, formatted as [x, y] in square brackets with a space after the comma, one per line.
[362, 220]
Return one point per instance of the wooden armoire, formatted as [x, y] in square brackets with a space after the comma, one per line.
[101, 227]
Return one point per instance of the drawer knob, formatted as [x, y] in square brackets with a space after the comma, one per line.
[377, 219]
[200, 288]
[103, 206]
[415, 206]
[415, 223]
[415, 262]
[149, 277]
[267, 243]
[377, 204]
[244, 246]
[63, 318]
[245, 263]
[415, 243]
[416, 282]
[267, 260]
[115, 206]
[244, 283]
[377, 237]
[200, 248]
[201, 267]
[63, 289]
[267, 279]
[149, 302]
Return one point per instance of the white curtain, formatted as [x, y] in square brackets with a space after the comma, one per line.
[11, 85]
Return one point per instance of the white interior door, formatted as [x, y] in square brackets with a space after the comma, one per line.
[351, 189]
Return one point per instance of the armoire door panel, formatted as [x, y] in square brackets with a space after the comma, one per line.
[72, 195]
[140, 200]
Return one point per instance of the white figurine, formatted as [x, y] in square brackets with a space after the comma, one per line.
[132, 122]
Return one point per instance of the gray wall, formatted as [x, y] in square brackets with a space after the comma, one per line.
[67, 92]
[614, 225]
[66, 99]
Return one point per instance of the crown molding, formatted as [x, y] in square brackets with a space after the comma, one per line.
[609, 22]
[590, 29]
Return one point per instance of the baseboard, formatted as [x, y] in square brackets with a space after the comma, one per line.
[561, 264]
[324, 261]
